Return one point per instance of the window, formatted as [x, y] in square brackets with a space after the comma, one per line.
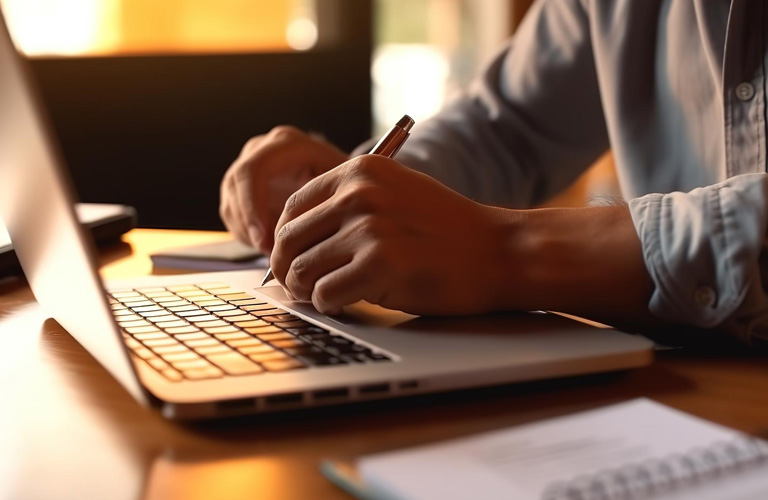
[116, 27]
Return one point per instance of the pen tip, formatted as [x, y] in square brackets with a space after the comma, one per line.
[406, 122]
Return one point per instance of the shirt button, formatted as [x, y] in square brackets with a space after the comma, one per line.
[745, 91]
[705, 297]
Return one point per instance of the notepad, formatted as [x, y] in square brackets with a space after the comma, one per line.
[638, 449]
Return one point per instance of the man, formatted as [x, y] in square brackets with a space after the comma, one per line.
[676, 88]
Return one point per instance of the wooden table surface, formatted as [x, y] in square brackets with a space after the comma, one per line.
[68, 430]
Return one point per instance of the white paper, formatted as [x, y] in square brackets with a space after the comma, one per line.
[520, 463]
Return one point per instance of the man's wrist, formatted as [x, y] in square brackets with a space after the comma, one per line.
[585, 261]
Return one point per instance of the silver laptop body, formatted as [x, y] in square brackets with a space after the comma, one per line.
[378, 353]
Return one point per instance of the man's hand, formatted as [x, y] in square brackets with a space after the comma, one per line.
[269, 169]
[372, 229]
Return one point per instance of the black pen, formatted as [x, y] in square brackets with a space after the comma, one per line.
[387, 146]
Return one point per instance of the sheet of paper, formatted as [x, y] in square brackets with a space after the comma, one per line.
[522, 462]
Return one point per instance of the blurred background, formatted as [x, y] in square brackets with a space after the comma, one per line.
[152, 100]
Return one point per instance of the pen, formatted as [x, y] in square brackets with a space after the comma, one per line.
[387, 146]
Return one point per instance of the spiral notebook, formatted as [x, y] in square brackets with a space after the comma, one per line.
[634, 450]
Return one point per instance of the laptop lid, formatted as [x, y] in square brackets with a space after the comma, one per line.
[37, 206]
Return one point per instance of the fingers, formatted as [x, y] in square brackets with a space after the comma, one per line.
[299, 235]
[318, 261]
[347, 285]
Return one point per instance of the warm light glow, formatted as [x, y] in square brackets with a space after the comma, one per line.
[408, 78]
[301, 34]
[103, 27]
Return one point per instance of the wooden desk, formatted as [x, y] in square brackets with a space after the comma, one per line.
[67, 430]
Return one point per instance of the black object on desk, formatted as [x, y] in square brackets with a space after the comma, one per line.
[105, 222]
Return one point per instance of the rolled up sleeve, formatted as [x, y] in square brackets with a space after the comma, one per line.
[705, 251]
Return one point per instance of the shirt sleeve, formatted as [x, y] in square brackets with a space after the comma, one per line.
[529, 125]
[705, 251]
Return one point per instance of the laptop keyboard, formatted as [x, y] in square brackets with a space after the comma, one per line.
[208, 331]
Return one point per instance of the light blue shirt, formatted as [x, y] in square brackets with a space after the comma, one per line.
[677, 90]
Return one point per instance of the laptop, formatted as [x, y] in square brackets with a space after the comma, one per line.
[214, 344]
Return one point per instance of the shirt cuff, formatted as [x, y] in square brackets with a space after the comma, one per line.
[701, 248]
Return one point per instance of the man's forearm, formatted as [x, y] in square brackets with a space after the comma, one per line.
[584, 261]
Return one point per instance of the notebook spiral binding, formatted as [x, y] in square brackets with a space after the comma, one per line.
[656, 477]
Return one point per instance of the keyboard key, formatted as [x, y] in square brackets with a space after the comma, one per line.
[172, 306]
[123, 312]
[181, 288]
[180, 356]
[251, 324]
[142, 329]
[209, 303]
[242, 317]
[192, 293]
[160, 342]
[232, 336]
[151, 336]
[260, 330]
[272, 337]
[172, 324]
[205, 317]
[133, 324]
[183, 337]
[172, 375]
[131, 300]
[248, 302]
[291, 324]
[144, 353]
[282, 365]
[170, 349]
[267, 356]
[151, 289]
[212, 286]
[235, 364]
[134, 305]
[133, 343]
[158, 364]
[128, 317]
[268, 312]
[275, 318]
[202, 298]
[203, 373]
[222, 329]
[234, 296]
[164, 318]
[256, 307]
[147, 308]
[208, 342]
[284, 344]
[227, 314]
[191, 312]
[237, 343]
[189, 365]
[154, 295]
[256, 349]
[379, 357]
[182, 329]
[214, 349]
[166, 300]
[223, 307]
[230, 292]
[118, 307]
[211, 324]
[153, 314]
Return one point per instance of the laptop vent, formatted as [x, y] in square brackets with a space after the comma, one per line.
[292, 398]
[236, 405]
[374, 389]
[331, 394]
